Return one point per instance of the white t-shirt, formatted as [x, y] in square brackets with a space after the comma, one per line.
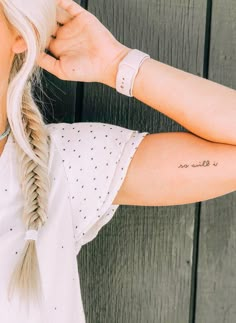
[88, 163]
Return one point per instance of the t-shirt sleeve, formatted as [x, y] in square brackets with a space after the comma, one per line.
[96, 158]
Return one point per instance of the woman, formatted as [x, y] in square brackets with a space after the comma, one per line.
[60, 183]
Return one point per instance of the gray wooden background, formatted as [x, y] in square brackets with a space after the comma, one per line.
[158, 264]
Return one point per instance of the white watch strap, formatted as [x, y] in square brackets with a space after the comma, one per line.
[128, 70]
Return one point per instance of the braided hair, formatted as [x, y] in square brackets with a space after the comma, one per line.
[35, 21]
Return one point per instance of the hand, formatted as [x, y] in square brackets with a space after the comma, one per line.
[83, 49]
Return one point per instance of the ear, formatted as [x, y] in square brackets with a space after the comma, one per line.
[19, 46]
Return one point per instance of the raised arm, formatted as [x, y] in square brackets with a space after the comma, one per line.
[205, 108]
[86, 51]
[167, 168]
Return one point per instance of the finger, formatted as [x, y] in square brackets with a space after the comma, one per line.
[71, 7]
[48, 63]
[63, 16]
[54, 34]
[63, 12]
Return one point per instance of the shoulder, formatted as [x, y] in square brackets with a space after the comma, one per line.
[88, 132]
[85, 126]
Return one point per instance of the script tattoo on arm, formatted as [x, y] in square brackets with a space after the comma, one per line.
[204, 163]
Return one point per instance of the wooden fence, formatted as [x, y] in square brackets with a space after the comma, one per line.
[158, 264]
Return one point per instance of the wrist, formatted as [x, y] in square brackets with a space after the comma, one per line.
[110, 73]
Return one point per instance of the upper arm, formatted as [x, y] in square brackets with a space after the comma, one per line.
[178, 168]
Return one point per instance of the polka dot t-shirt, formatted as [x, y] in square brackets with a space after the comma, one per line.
[88, 163]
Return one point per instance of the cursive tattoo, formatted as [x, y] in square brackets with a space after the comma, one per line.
[204, 163]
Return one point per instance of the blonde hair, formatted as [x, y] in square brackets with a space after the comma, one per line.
[35, 21]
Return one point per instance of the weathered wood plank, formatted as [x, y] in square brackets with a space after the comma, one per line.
[138, 269]
[59, 99]
[216, 288]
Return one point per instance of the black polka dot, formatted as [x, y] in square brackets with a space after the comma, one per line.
[90, 172]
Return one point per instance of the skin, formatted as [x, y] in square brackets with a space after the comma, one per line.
[168, 168]
[13, 44]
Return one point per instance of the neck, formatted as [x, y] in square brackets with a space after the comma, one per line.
[3, 126]
[2, 141]
[2, 144]
[3, 113]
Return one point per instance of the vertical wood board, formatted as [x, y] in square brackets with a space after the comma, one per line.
[138, 269]
[216, 288]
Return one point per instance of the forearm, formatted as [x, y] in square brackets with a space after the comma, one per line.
[205, 108]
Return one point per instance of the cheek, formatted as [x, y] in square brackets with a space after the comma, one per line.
[6, 54]
[5, 63]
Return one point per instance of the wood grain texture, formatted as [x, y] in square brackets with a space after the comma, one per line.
[59, 99]
[216, 288]
[138, 269]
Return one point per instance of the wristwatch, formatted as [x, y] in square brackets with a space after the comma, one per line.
[128, 70]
